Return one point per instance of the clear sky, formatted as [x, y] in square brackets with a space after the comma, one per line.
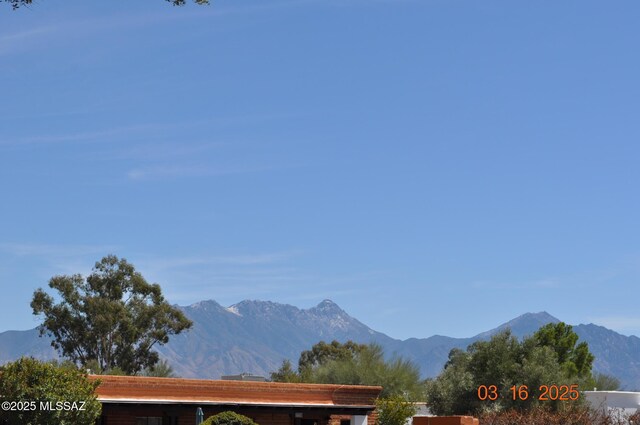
[432, 166]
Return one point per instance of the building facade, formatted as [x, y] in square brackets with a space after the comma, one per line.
[136, 400]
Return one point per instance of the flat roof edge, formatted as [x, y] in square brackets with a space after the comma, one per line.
[231, 403]
[211, 383]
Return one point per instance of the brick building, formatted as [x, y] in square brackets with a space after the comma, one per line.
[136, 400]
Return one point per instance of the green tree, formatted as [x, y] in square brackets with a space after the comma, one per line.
[162, 369]
[604, 382]
[453, 390]
[394, 410]
[574, 358]
[93, 368]
[539, 367]
[17, 3]
[355, 364]
[497, 361]
[228, 418]
[321, 353]
[286, 373]
[113, 317]
[503, 363]
[34, 382]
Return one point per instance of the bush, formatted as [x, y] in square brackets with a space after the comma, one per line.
[37, 383]
[228, 418]
[394, 410]
[577, 415]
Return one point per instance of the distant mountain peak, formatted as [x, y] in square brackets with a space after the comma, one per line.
[541, 316]
[205, 305]
[523, 325]
[256, 308]
[328, 307]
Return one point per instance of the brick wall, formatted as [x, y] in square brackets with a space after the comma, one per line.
[445, 420]
[336, 419]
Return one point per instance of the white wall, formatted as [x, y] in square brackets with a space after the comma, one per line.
[624, 402]
[359, 420]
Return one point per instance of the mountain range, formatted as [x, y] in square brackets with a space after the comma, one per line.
[256, 336]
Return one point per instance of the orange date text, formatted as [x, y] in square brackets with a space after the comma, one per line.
[522, 392]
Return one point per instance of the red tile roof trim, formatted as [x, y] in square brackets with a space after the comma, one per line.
[138, 389]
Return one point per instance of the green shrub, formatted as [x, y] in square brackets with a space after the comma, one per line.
[394, 410]
[39, 386]
[228, 418]
[574, 415]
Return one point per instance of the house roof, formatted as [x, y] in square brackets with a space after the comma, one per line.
[139, 389]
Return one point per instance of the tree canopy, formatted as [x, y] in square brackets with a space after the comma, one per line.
[162, 369]
[604, 382]
[550, 357]
[323, 353]
[43, 386]
[112, 319]
[355, 364]
[394, 410]
[15, 4]
[576, 360]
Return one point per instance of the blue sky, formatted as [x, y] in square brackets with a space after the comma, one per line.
[409, 159]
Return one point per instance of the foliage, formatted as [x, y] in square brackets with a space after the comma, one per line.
[29, 380]
[162, 369]
[113, 317]
[354, 364]
[575, 415]
[93, 367]
[604, 382]
[285, 373]
[322, 353]
[17, 3]
[550, 357]
[394, 410]
[576, 360]
[228, 418]
[453, 390]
